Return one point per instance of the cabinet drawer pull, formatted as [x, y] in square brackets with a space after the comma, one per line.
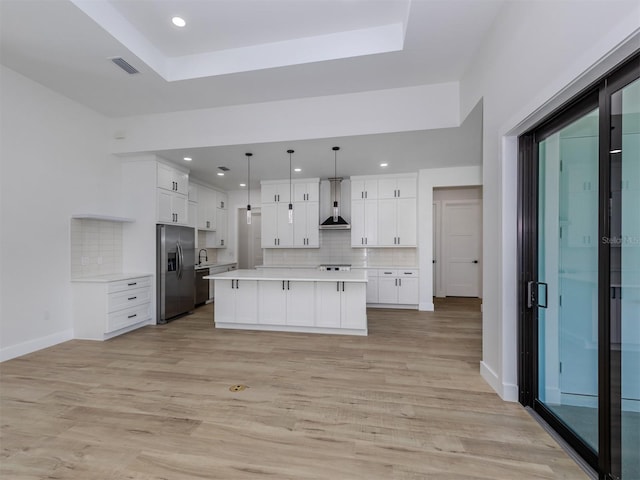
[132, 298]
[337, 286]
[134, 315]
[283, 284]
[131, 284]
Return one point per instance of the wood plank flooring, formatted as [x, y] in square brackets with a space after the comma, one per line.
[406, 402]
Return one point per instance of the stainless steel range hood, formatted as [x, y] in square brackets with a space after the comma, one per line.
[332, 223]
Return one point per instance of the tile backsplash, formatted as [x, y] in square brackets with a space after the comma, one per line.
[96, 247]
[335, 247]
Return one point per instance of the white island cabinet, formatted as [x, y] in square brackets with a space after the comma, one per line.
[294, 300]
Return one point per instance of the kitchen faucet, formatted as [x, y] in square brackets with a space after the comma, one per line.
[200, 255]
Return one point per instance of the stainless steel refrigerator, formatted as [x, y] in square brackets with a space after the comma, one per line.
[175, 273]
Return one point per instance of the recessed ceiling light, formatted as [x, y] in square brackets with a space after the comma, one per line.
[243, 184]
[297, 169]
[617, 150]
[178, 21]
[187, 159]
[384, 164]
[220, 174]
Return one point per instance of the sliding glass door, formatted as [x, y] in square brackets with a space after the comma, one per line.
[579, 249]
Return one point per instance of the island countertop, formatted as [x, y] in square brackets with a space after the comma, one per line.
[298, 275]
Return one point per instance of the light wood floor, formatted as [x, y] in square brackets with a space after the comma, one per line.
[406, 402]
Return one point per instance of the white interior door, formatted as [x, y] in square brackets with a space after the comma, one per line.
[462, 222]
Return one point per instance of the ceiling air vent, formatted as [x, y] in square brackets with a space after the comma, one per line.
[124, 65]
[224, 169]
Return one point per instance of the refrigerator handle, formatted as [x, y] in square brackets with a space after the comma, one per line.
[179, 259]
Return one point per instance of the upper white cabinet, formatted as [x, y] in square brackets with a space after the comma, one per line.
[172, 179]
[306, 192]
[171, 195]
[364, 188]
[207, 217]
[397, 188]
[384, 211]
[221, 200]
[277, 232]
[222, 219]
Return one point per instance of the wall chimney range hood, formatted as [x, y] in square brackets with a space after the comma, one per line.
[331, 223]
[335, 221]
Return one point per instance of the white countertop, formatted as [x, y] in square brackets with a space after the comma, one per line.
[112, 277]
[296, 274]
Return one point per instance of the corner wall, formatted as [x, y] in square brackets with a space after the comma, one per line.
[54, 160]
[537, 55]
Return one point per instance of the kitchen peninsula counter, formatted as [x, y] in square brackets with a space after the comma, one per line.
[293, 300]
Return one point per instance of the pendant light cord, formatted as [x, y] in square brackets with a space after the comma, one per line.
[249, 155]
[290, 184]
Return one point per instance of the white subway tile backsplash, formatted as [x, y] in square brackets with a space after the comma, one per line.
[335, 247]
[96, 247]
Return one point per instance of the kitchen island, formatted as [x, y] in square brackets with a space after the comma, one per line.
[291, 300]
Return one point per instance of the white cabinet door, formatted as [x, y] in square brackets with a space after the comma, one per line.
[328, 304]
[408, 290]
[387, 233]
[353, 305]
[371, 219]
[193, 214]
[206, 209]
[272, 302]
[364, 189]
[246, 293]
[406, 187]
[221, 200]
[274, 193]
[357, 223]
[164, 207]
[225, 302]
[284, 228]
[221, 227]
[387, 188]
[269, 225]
[300, 303]
[165, 178]
[180, 207]
[388, 289]
[182, 181]
[300, 224]
[406, 222]
[313, 220]
[193, 193]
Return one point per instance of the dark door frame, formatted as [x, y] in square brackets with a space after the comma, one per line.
[607, 460]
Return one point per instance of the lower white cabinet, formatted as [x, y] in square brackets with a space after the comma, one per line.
[285, 302]
[398, 286]
[341, 305]
[103, 309]
[236, 301]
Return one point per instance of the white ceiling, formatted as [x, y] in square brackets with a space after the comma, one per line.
[280, 49]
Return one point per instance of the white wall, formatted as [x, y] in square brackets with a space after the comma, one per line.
[535, 57]
[394, 110]
[54, 160]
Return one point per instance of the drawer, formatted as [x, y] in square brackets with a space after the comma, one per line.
[409, 272]
[128, 284]
[128, 298]
[127, 317]
[387, 272]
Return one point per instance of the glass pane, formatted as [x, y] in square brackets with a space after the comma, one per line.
[568, 266]
[625, 276]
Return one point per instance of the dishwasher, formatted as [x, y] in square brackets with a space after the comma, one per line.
[202, 286]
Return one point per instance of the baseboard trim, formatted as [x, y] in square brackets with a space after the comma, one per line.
[507, 391]
[426, 307]
[34, 345]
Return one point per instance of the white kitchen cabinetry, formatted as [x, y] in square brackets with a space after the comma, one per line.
[284, 302]
[364, 188]
[171, 196]
[103, 309]
[305, 224]
[372, 286]
[236, 301]
[172, 179]
[306, 191]
[222, 219]
[397, 219]
[277, 232]
[364, 223]
[397, 187]
[398, 287]
[207, 217]
[341, 305]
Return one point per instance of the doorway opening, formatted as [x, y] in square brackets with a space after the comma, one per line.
[249, 239]
[457, 242]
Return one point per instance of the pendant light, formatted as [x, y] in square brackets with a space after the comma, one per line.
[290, 189]
[249, 155]
[336, 210]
